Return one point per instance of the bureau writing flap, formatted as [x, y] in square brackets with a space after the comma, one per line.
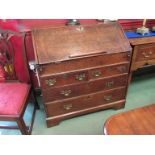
[69, 42]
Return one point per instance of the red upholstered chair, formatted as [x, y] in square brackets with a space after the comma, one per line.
[2, 78]
[14, 95]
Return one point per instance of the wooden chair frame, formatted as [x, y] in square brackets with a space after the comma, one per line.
[21, 125]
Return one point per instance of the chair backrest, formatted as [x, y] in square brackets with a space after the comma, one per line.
[2, 75]
[13, 58]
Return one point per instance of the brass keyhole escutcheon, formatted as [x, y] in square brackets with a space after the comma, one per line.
[51, 82]
[66, 92]
[68, 106]
[80, 77]
[108, 97]
[110, 84]
[97, 73]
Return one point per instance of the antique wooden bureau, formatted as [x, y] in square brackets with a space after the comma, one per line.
[81, 69]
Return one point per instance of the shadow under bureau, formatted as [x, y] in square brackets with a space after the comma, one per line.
[81, 69]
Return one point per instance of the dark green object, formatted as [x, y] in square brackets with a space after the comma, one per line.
[73, 22]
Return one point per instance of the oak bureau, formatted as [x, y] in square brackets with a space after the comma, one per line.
[81, 69]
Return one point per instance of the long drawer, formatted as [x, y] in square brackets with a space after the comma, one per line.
[85, 88]
[83, 75]
[84, 102]
[85, 62]
[145, 52]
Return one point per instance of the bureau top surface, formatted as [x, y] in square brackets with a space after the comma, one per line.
[140, 41]
[71, 42]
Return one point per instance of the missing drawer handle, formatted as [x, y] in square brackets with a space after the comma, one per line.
[66, 92]
[80, 77]
[50, 82]
[121, 69]
[110, 84]
[97, 73]
[68, 106]
[108, 97]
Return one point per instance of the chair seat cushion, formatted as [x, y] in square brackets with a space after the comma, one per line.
[12, 97]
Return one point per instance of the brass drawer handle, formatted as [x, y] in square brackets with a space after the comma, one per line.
[66, 92]
[108, 98]
[121, 68]
[80, 77]
[68, 106]
[147, 54]
[97, 73]
[110, 84]
[51, 82]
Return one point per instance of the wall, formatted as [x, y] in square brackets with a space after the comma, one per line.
[26, 25]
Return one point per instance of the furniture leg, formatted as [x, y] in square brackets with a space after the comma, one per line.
[22, 126]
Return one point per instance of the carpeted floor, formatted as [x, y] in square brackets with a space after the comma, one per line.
[141, 92]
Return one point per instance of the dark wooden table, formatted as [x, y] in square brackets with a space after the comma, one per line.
[140, 121]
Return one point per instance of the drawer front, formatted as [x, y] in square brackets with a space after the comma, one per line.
[84, 102]
[83, 76]
[60, 93]
[83, 63]
[106, 71]
[145, 52]
[64, 79]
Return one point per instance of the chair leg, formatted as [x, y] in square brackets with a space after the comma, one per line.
[32, 120]
[22, 126]
[35, 99]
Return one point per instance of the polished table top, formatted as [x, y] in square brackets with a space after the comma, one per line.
[140, 121]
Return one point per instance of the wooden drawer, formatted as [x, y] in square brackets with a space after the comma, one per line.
[145, 52]
[83, 76]
[81, 63]
[85, 101]
[64, 79]
[84, 88]
[107, 71]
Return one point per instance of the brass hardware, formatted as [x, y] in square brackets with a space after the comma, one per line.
[121, 68]
[108, 97]
[110, 84]
[146, 55]
[50, 82]
[80, 77]
[80, 28]
[68, 106]
[150, 52]
[66, 92]
[97, 73]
